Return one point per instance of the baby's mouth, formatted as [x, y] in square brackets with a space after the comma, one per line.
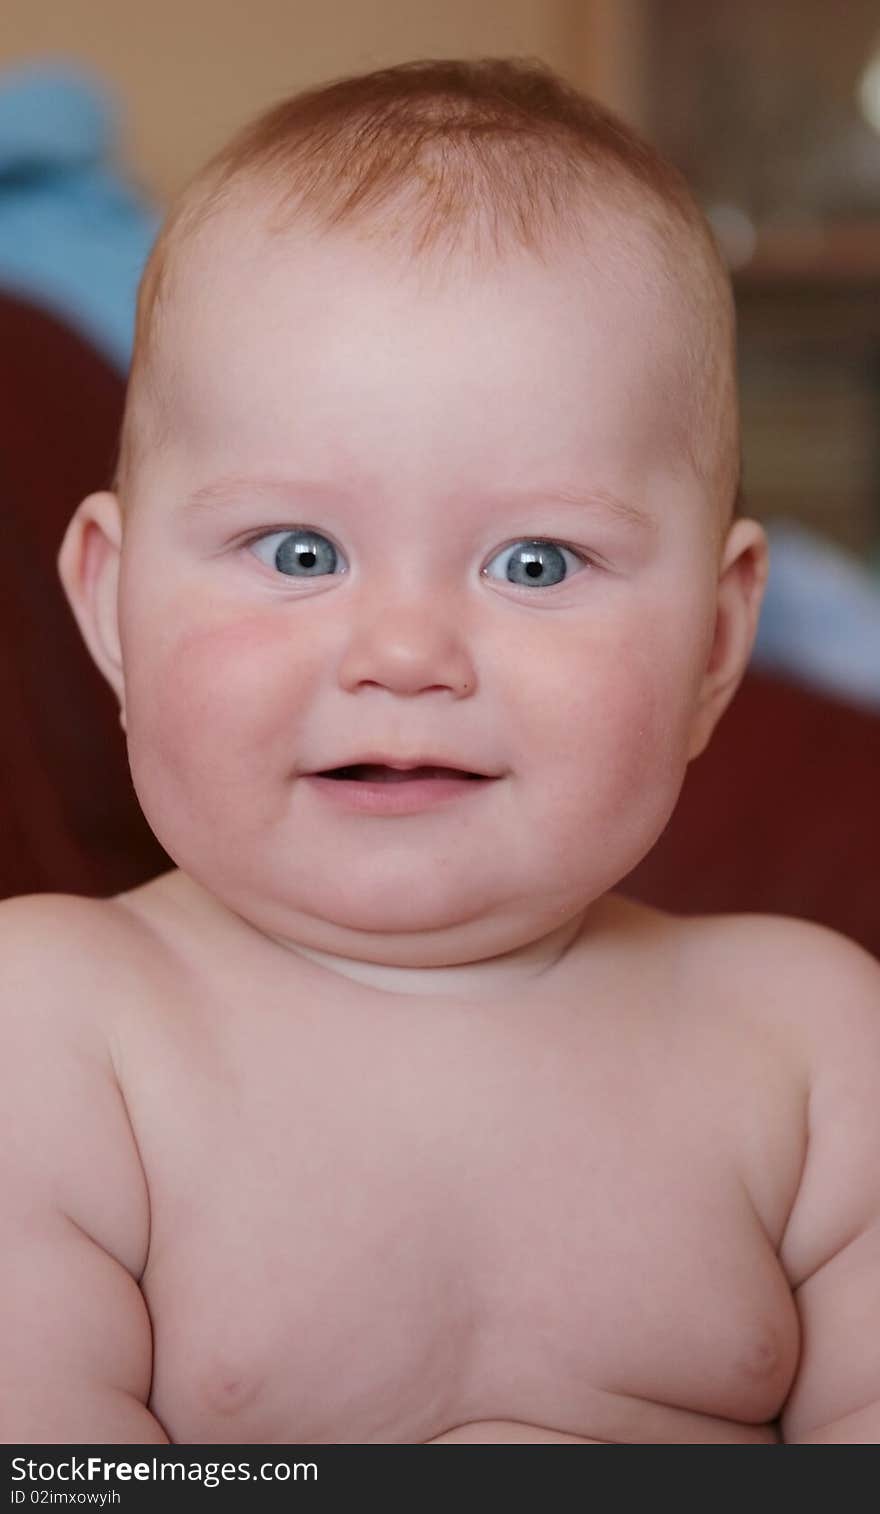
[378, 773]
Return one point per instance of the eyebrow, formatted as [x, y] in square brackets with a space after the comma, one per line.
[226, 491]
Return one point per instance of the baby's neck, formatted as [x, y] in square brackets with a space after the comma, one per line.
[489, 978]
[577, 941]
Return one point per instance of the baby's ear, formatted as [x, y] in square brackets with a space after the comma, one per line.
[741, 583]
[88, 565]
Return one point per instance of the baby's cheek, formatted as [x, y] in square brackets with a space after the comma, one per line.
[216, 703]
[631, 741]
[645, 754]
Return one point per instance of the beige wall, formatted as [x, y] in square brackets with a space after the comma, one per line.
[188, 72]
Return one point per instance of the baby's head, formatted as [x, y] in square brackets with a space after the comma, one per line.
[431, 452]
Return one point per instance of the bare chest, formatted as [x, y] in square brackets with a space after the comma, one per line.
[378, 1231]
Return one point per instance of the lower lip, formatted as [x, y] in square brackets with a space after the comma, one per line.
[406, 797]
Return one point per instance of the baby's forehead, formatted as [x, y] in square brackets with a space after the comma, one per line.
[304, 314]
[226, 274]
[230, 267]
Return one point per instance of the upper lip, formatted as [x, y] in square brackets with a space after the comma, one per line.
[388, 760]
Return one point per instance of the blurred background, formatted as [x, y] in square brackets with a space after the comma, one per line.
[772, 112]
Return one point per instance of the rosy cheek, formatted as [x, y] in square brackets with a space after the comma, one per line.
[650, 780]
[219, 692]
[630, 723]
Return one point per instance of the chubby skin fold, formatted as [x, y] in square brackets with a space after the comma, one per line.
[405, 1127]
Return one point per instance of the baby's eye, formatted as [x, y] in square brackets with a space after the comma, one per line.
[303, 553]
[299, 553]
[535, 564]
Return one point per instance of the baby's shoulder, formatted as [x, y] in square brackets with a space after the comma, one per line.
[63, 958]
[820, 989]
[791, 968]
[804, 988]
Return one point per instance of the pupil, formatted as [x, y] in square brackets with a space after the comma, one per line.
[308, 559]
[534, 569]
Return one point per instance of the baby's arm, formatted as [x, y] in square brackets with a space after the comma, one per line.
[76, 1354]
[832, 1243]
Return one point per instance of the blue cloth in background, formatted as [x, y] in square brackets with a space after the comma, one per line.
[821, 617]
[74, 234]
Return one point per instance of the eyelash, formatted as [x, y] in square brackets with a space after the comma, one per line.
[587, 562]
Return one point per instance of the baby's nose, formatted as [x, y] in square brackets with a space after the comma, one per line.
[408, 649]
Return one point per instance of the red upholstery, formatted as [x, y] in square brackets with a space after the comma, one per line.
[69, 819]
[781, 813]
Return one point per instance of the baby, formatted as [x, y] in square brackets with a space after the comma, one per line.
[382, 1117]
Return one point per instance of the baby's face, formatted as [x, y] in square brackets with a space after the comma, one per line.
[425, 444]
